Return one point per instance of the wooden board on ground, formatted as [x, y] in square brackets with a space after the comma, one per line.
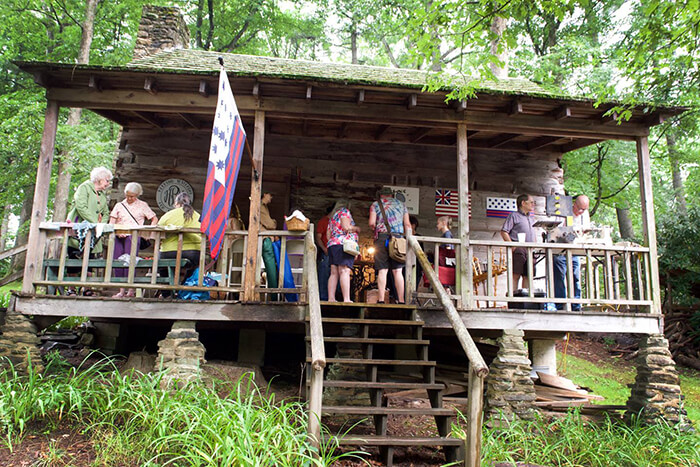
[556, 381]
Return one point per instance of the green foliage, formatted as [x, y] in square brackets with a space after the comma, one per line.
[573, 441]
[679, 257]
[132, 421]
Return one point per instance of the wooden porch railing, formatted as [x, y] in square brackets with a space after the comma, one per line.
[143, 274]
[318, 352]
[611, 276]
[478, 370]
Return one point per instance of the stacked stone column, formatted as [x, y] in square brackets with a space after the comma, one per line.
[510, 392]
[656, 392]
[19, 342]
[181, 354]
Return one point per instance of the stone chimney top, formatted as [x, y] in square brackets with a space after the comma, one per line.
[161, 28]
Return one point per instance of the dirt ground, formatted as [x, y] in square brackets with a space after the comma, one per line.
[66, 446]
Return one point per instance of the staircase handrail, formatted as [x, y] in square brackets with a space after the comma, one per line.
[465, 339]
[318, 352]
[12, 251]
[478, 370]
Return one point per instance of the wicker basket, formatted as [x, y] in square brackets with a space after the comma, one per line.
[297, 225]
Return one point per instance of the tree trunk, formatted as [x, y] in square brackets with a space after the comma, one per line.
[23, 232]
[624, 222]
[498, 48]
[678, 188]
[65, 164]
[353, 43]
[4, 228]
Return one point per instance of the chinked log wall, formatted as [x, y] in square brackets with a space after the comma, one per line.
[311, 173]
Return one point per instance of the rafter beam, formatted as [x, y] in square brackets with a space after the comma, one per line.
[500, 140]
[203, 88]
[190, 121]
[380, 131]
[419, 134]
[539, 143]
[562, 112]
[150, 85]
[578, 144]
[94, 84]
[149, 118]
[516, 107]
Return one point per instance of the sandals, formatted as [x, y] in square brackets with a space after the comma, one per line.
[130, 293]
[70, 293]
[118, 295]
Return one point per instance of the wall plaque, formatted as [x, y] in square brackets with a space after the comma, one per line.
[169, 189]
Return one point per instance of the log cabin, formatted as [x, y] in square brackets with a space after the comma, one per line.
[323, 131]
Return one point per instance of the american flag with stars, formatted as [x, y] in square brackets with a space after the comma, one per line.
[500, 207]
[227, 141]
[447, 203]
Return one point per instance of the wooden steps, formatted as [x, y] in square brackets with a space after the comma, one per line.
[374, 361]
[376, 340]
[381, 385]
[360, 339]
[371, 410]
[374, 440]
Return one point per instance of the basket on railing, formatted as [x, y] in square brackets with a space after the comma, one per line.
[296, 225]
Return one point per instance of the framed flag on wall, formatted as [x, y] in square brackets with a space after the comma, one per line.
[500, 207]
[447, 203]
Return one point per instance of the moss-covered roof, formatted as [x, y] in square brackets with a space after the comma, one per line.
[198, 61]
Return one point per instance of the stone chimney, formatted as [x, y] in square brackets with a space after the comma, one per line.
[162, 28]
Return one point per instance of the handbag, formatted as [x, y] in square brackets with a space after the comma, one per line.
[351, 247]
[397, 245]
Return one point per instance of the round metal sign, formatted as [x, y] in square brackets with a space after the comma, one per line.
[169, 189]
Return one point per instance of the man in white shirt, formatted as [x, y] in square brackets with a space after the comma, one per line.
[582, 221]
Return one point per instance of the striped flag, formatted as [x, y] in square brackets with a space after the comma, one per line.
[500, 207]
[227, 141]
[447, 203]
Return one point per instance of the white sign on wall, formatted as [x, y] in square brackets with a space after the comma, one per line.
[169, 189]
[408, 196]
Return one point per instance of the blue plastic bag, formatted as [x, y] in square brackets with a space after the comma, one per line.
[207, 281]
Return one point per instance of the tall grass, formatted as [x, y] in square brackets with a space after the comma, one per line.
[572, 441]
[132, 421]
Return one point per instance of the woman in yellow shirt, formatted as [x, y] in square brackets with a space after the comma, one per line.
[183, 215]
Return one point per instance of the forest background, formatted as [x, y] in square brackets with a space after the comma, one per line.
[634, 52]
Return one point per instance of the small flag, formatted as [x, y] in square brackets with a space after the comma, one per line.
[500, 207]
[227, 141]
[447, 203]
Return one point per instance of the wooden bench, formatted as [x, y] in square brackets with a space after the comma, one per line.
[51, 267]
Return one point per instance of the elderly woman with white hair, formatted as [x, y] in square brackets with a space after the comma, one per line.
[131, 212]
[90, 204]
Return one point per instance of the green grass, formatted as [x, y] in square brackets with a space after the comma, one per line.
[572, 442]
[611, 380]
[5, 292]
[133, 421]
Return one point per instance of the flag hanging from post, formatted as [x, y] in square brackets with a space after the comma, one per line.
[227, 141]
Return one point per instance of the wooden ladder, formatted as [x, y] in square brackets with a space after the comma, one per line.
[373, 334]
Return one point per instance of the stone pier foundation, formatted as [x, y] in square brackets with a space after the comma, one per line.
[181, 354]
[656, 391]
[510, 391]
[19, 342]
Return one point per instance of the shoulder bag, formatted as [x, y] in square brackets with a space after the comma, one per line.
[397, 245]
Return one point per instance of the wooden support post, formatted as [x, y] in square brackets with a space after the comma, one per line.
[475, 403]
[35, 246]
[648, 218]
[252, 252]
[465, 279]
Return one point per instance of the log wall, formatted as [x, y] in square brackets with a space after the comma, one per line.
[310, 173]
